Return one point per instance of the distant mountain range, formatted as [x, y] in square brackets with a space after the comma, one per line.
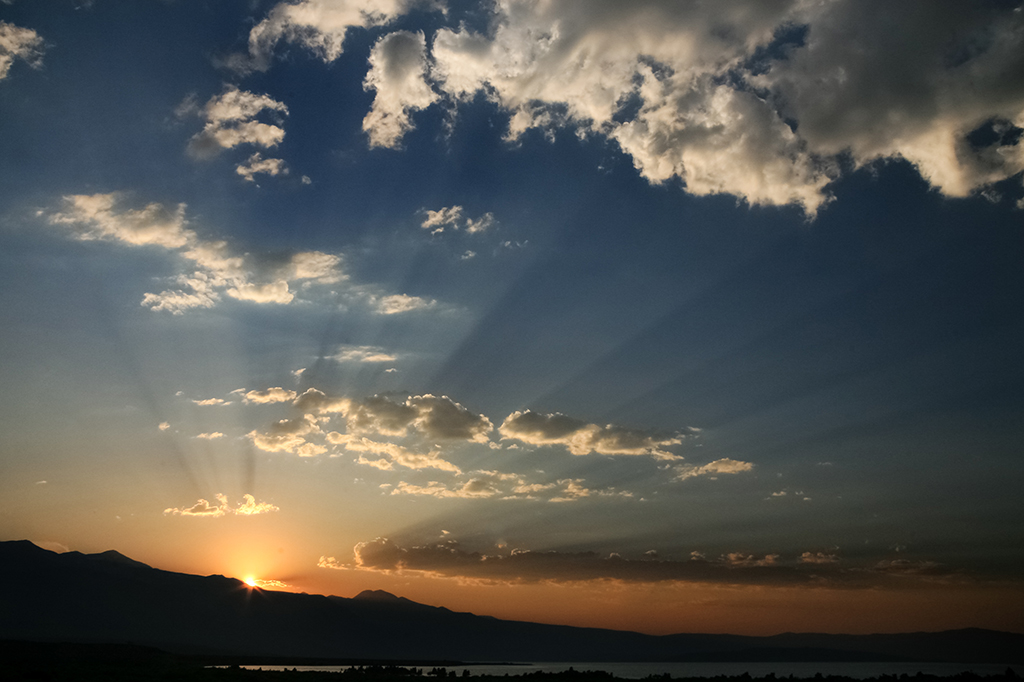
[109, 598]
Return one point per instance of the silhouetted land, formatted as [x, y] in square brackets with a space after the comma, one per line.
[60, 662]
[107, 598]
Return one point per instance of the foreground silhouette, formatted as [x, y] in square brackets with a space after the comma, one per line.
[124, 662]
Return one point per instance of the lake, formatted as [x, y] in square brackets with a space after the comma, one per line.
[641, 670]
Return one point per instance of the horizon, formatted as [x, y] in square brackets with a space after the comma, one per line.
[655, 316]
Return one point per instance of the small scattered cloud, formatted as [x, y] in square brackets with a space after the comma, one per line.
[713, 469]
[163, 426]
[248, 507]
[369, 354]
[393, 453]
[210, 436]
[270, 395]
[208, 402]
[581, 438]
[231, 120]
[453, 218]
[818, 558]
[257, 164]
[395, 304]
[17, 43]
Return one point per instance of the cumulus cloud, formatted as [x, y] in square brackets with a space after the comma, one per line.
[248, 507]
[231, 120]
[18, 43]
[581, 438]
[475, 487]
[818, 558]
[210, 436]
[713, 469]
[257, 164]
[398, 68]
[289, 435]
[211, 401]
[317, 25]
[213, 269]
[757, 100]
[435, 417]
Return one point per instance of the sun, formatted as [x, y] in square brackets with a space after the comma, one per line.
[250, 581]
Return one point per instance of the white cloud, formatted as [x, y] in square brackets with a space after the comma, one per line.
[477, 487]
[163, 426]
[257, 164]
[271, 395]
[452, 217]
[396, 454]
[713, 469]
[248, 507]
[289, 435]
[18, 43]
[211, 401]
[398, 68]
[437, 220]
[95, 217]
[364, 354]
[210, 436]
[581, 438]
[689, 91]
[435, 417]
[212, 268]
[317, 25]
[395, 304]
[231, 121]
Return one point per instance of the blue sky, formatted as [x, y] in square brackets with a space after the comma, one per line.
[509, 305]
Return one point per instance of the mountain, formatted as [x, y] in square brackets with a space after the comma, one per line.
[109, 598]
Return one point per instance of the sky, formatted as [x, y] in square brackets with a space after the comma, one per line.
[666, 316]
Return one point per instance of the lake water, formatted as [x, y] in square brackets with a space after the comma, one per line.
[640, 670]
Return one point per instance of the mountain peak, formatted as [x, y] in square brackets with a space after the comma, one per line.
[377, 595]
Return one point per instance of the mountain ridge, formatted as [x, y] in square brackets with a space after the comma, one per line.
[107, 597]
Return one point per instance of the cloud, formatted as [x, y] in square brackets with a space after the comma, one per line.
[163, 426]
[476, 487]
[211, 269]
[396, 454]
[435, 417]
[398, 68]
[818, 558]
[581, 438]
[757, 100]
[289, 435]
[210, 436]
[211, 401]
[395, 304]
[518, 565]
[452, 218]
[257, 164]
[370, 354]
[437, 220]
[713, 469]
[271, 395]
[318, 25]
[94, 217]
[18, 43]
[231, 121]
[248, 507]
[857, 87]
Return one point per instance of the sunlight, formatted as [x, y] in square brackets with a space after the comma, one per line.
[250, 581]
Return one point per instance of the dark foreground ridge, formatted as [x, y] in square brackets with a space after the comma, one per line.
[109, 598]
[126, 662]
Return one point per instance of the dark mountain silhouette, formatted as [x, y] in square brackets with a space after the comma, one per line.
[109, 598]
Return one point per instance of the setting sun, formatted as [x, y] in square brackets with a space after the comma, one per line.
[250, 581]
